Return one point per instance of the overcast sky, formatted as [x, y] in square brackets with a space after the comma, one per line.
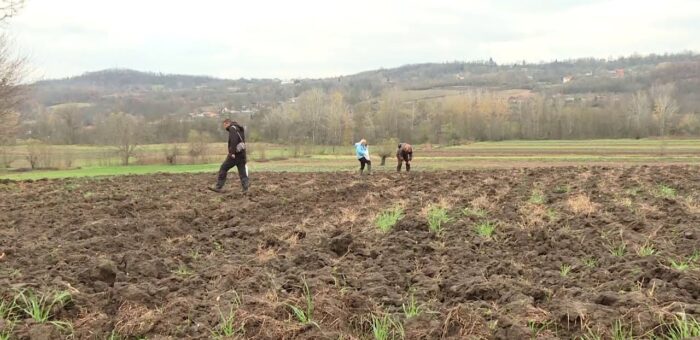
[286, 39]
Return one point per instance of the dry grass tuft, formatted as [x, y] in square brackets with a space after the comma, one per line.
[482, 202]
[134, 319]
[532, 215]
[692, 205]
[265, 254]
[581, 205]
[460, 322]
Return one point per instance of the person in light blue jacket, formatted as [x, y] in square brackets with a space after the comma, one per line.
[362, 153]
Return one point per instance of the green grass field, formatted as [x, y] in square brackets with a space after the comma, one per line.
[101, 161]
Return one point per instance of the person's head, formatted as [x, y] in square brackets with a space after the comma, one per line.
[226, 123]
[363, 142]
[407, 148]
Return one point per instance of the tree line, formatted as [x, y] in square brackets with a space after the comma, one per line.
[321, 117]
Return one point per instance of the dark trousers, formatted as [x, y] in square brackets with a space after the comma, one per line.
[230, 162]
[401, 160]
[363, 162]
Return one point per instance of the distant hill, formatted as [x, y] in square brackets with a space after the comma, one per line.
[156, 94]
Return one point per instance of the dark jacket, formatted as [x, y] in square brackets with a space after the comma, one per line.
[235, 136]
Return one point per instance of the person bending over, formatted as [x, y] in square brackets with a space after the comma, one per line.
[404, 154]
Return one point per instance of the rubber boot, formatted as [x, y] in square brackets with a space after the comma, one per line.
[369, 169]
[362, 172]
[245, 184]
[219, 187]
[220, 183]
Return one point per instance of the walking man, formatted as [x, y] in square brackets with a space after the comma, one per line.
[404, 154]
[236, 156]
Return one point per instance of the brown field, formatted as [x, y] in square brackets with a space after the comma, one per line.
[575, 251]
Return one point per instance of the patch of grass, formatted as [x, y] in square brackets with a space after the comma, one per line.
[475, 212]
[590, 262]
[537, 327]
[618, 250]
[621, 332]
[683, 327]
[645, 250]
[680, 265]
[664, 191]
[564, 270]
[562, 189]
[183, 270]
[6, 333]
[633, 191]
[437, 216]
[305, 315]
[7, 313]
[695, 257]
[591, 335]
[412, 309]
[537, 197]
[485, 229]
[388, 219]
[493, 324]
[70, 187]
[386, 328]
[227, 322]
[7, 310]
[552, 214]
[194, 254]
[39, 307]
[114, 335]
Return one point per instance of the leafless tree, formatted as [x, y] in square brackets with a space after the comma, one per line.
[665, 105]
[640, 111]
[38, 154]
[9, 8]
[71, 121]
[123, 131]
[171, 154]
[198, 141]
[12, 71]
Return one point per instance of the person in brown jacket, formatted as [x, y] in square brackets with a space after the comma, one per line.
[404, 154]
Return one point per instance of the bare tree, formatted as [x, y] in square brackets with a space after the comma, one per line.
[386, 149]
[8, 8]
[640, 111]
[198, 141]
[71, 122]
[8, 128]
[312, 108]
[665, 105]
[38, 154]
[123, 131]
[171, 154]
[12, 71]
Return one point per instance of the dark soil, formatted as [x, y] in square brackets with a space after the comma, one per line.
[160, 256]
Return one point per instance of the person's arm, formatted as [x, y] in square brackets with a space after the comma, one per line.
[232, 137]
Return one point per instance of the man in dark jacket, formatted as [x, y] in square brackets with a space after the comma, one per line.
[236, 156]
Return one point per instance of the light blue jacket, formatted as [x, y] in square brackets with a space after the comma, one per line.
[361, 150]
